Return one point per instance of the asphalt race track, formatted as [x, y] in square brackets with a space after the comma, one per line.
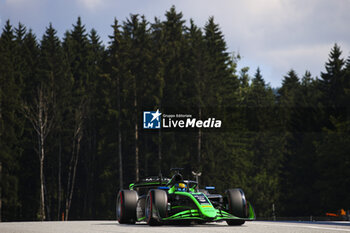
[113, 226]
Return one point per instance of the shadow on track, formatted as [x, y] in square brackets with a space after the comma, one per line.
[316, 223]
[185, 225]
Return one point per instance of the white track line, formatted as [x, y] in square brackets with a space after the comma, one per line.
[303, 226]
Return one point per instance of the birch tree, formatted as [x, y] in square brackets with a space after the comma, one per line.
[76, 142]
[40, 114]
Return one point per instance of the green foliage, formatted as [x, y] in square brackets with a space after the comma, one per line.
[11, 121]
[332, 165]
[287, 148]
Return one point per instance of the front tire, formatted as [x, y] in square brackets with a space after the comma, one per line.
[237, 206]
[126, 206]
[156, 207]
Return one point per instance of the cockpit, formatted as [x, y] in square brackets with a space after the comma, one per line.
[182, 187]
[178, 184]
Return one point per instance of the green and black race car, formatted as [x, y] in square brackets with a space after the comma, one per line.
[161, 200]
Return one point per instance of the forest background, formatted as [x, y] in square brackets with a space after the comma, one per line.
[71, 132]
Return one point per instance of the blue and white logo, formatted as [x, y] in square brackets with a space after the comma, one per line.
[151, 119]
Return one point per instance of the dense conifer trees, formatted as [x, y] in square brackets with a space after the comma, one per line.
[287, 148]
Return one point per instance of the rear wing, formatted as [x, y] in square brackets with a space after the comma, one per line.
[156, 183]
[149, 182]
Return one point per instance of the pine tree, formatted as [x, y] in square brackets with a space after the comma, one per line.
[158, 69]
[92, 122]
[346, 83]
[258, 79]
[260, 104]
[221, 88]
[76, 47]
[11, 122]
[331, 163]
[331, 80]
[289, 83]
[308, 115]
[141, 77]
[265, 144]
[196, 64]
[115, 62]
[220, 75]
[287, 96]
[243, 84]
[173, 54]
[178, 83]
[330, 159]
[54, 75]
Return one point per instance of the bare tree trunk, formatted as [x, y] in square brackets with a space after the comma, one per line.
[120, 158]
[78, 135]
[199, 139]
[91, 187]
[0, 172]
[119, 138]
[160, 151]
[42, 157]
[146, 159]
[39, 116]
[69, 180]
[73, 178]
[42, 195]
[88, 166]
[0, 191]
[136, 134]
[59, 179]
[47, 202]
[136, 152]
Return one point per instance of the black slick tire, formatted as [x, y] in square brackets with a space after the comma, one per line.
[156, 207]
[126, 206]
[237, 206]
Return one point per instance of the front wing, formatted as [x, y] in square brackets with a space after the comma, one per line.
[195, 214]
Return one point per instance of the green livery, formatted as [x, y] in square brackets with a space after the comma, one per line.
[164, 201]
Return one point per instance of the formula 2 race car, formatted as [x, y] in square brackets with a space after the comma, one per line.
[161, 200]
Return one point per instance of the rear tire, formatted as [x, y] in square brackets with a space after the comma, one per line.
[126, 206]
[156, 207]
[237, 206]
